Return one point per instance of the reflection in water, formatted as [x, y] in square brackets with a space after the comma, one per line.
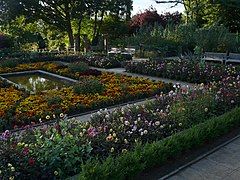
[38, 82]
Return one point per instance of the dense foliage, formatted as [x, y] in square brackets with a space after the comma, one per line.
[150, 17]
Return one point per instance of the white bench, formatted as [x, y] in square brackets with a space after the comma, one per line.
[217, 57]
[114, 51]
[233, 58]
[130, 51]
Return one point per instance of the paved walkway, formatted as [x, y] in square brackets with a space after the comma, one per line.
[222, 164]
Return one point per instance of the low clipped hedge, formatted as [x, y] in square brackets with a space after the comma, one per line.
[157, 153]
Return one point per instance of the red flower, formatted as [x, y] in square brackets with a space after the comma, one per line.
[15, 127]
[33, 123]
[31, 162]
[26, 149]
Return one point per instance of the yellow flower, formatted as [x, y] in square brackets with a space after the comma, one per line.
[124, 150]
[54, 116]
[55, 173]
[112, 149]
[11, 178]
[111, 130]
[114, 135]
[12, 169]
[125, 141]
[109, 138]
[157, 123]
[9, 165]
[180, 124]
[47, 117]
[61, 115]
[40, 120]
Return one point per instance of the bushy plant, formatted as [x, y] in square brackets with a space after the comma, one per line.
[78, 67]
[5, 41]
[88, 86]
[9, 63]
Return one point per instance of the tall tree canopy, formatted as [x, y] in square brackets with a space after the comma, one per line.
[61, 13]
[209, 12]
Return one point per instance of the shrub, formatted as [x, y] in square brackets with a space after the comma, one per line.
[9, 63]
[78, 67]
[88, 86]
[5, 41]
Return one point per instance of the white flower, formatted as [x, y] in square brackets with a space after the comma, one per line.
[134, 128]
[126, 123]
[145, 131]
[141, 133]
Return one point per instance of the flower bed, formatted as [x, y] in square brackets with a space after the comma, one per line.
[189, 71]
[127, 134]
[96, 60]
[116, 89]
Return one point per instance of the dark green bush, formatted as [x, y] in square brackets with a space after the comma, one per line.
[88, 86]
[78, 67]
[5, 41]
[9, 63]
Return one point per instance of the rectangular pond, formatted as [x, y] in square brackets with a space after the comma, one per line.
[37, 81]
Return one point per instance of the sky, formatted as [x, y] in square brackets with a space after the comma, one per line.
[141, 5]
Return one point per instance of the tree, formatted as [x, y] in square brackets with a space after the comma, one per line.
[61, 14]
[194, 9]
[229, 14]
[150, 17]
[114, 8]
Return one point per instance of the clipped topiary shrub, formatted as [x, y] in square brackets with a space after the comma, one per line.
[78, 67]
[88, 86]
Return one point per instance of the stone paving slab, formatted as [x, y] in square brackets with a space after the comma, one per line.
[223, 164]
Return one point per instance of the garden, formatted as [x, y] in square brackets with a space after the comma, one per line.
[94, 90]
[41, 136]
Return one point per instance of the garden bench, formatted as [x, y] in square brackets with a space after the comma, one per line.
[114, 51]
[217, 57]
[130, 51]
[233, 58]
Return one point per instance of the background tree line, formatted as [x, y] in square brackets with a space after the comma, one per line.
[55, 23]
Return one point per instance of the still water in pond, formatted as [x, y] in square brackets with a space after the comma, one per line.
[38, 82]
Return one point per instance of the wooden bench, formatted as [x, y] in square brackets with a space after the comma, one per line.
[233, 58]
[215, 57]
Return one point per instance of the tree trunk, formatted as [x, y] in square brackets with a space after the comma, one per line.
[77, 36]
[95, 38]
[69, 26]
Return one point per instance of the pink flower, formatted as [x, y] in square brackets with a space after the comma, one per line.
[179, 109]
